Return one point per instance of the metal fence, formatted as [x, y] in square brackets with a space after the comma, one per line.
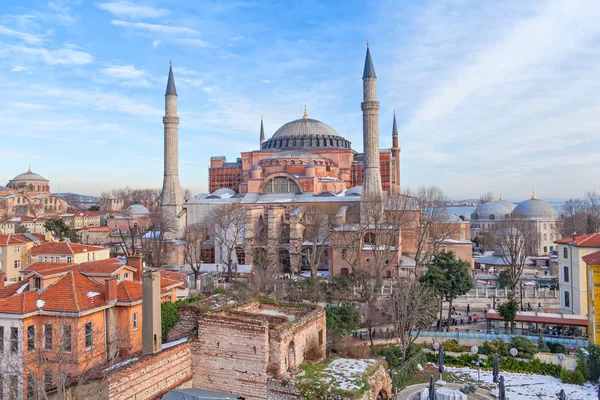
[565, 341]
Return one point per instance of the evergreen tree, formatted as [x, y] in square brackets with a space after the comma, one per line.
[449, 277]
[508, 310]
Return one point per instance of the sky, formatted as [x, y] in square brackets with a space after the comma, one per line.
[489, 95]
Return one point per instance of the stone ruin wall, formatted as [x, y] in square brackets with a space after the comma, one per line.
[230, 355]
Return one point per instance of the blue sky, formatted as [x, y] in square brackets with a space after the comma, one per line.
[490, 95]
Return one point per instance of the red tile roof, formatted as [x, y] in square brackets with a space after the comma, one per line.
[592, 259]
[46, 269]
[63, 248]
[169, 278]
[128, 291]
[102, 267]
[591, 240]
[18, 238]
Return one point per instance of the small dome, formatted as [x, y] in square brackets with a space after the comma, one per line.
[535, 209]
[355, 191]
[497, 209]
[223, 193]
[136, 209]
[29, 176]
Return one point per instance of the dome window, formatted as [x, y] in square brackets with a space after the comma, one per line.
[492, 217]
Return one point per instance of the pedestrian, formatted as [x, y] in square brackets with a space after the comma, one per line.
[361, 338]
[528, 306]
[484, 313]
[470, 318]
[462, 321]
[475, 318]
[539, 306]
[453, 310]
[468, 308]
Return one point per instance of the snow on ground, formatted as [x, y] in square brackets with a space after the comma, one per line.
[174, 343]
[531, 386]
[346, 374]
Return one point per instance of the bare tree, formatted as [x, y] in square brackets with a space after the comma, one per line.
[317, 224]
[574, 216]
[486, 197]
[412, 307]
[155, 243]
[59, 362]
[187, 195]
[195, 235]
[227, 227]
[517, 240]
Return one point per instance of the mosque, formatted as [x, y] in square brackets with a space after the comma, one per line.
[28, 195]
[540, 215]
[305, 164]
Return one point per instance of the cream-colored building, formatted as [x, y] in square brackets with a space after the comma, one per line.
[14, 250]
[81, 219]
[66, 252]
[572, 271]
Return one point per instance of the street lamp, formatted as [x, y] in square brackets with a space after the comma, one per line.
[521, 284]
[513, 352]
[436, 346]
[560, 357]
[474, 351]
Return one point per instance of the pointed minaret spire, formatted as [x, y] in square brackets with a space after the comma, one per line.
[369, 71]
[171, 90]
[394, 126]
[372, 190]
[262, 131]
[395, 176]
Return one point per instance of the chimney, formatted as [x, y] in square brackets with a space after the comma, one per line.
[151, 320]
[110, 287]
[135, 261]
[1, 279]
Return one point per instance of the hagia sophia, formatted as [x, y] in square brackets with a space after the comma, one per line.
[28, 195]
[304, 165]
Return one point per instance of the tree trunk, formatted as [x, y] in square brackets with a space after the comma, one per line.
[439, 327]
[449, 315]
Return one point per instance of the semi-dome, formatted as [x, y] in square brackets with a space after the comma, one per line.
[294, 154]
[136, 209]
[355, 191]
[306, 133]
[535, 209]
[493, 210]
[223, 193]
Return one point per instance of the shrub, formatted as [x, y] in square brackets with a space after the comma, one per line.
[556, 348]
[574, 377]
[343, 319]
[350, 348]
[542, 345]
[312, 350]
[392, 354]
[402, 375]
[469, 389]
[589, 364]
[219, 290]
[526, 348]
[495, 346]
[169, 317]
[452, 345]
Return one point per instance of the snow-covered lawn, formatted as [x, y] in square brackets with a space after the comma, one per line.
[530, 386]
[347, 374]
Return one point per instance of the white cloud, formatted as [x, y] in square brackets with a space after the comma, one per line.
[156, 43]
[185, 71]
[53, 57]
[265, 81]
[126, 9]
[18, 68]
[31, 106]
[123, 71]
[193, 42]
[26, 37]
[192, 82]
[168, 29]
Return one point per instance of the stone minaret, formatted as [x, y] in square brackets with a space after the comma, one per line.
[395, 186]
[262, 133]
[171, 205]
[370, 106]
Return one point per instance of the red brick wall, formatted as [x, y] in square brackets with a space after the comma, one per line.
[152, 376]
[230, 355]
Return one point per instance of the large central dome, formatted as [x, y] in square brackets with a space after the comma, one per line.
[306, 133]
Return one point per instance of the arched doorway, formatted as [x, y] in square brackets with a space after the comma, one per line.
[382, 395]
[291, 356]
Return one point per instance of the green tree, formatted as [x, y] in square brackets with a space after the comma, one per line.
[93, 208]
[542, 345]
[58, 227]
[589, 362]
[169, 317]
[508, 310]
[449, 277]
[343, 319]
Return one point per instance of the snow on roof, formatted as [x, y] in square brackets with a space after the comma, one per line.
[22, 288]
[173, 343]
[40, 303]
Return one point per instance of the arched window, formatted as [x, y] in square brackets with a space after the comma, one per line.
[545, 236]
[324, 188]
[544, 226]
[281, 184]
[370, 238]
[565, 252]
[344, 271]
[492, 217]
